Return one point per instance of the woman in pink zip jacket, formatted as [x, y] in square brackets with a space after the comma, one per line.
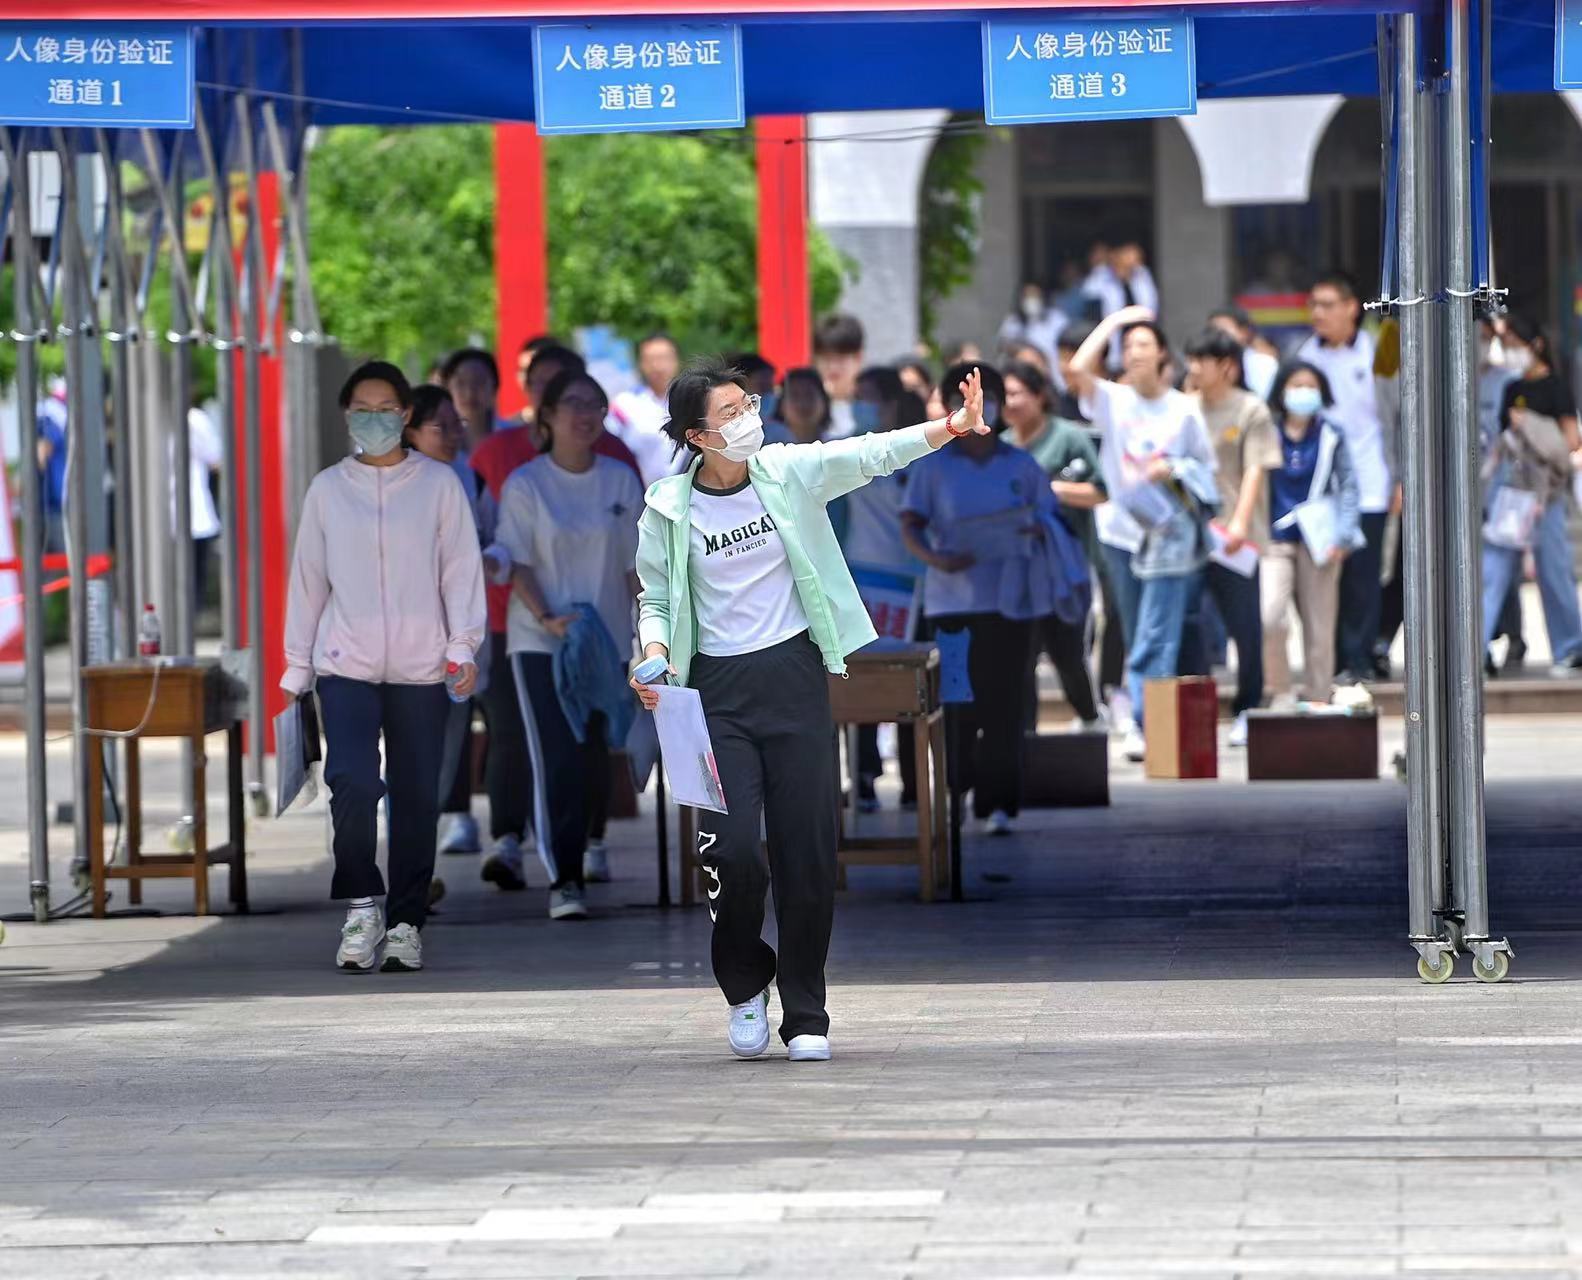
[386, 594]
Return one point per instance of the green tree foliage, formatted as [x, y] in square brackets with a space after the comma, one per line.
[401, 225]
[661, 233]
[950, 213]
[645, 232]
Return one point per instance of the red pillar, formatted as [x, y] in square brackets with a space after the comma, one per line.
[785, 307]
[521, 251]
[276, 548]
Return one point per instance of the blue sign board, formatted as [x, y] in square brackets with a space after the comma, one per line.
[119, 75]
[1568, 44]
[628, 77]
[1045, 69]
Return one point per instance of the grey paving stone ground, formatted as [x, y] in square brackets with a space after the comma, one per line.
[1177, 1038]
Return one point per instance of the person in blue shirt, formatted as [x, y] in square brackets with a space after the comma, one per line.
[1301, 566]
[980, 495]
[52, 466]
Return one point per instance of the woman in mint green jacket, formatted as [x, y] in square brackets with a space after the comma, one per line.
[746, 593]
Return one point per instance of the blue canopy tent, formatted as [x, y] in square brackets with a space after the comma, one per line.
[340, 61]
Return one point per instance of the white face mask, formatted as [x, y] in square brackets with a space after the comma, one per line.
[743, 437]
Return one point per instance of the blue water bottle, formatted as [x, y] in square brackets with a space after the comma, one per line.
[655, 670]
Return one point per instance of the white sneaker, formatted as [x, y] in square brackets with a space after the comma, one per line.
[808, 1049]
[1132, 745]
[1238, 731]
[503, 867]
[361, 935]
[997, 823]
[403, 950]
[567, 904]
[596, 862]
[749, 1026]
[458, 833]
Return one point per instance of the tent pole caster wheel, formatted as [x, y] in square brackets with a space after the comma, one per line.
[1495, 972]
[1436, 974]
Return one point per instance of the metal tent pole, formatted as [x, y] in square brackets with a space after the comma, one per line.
[75, 326]
[253, 292]
[1463, 666]
[183, 321]
[1425, 830]
[27, 332]
[122, 331]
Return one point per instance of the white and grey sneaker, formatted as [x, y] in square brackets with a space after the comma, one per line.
[808, 1049]
[596, 862]
[1132, 745]
[1238, 731]
[503, 867]
[403, 950]
[997, 823]
[361, 935]
[749, 1026]
[567, 903]
[458, 833]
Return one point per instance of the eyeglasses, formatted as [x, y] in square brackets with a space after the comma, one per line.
[749, 405]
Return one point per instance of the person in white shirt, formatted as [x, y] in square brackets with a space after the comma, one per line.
[1151, 527]
[1119, 279]
[1258, 367]
[1034, 322]
[205, 452]
[1343, 351]
[568, 521]
[638, 417]
[385, 609]
[838, 343]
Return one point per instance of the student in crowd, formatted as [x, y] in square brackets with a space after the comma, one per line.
[568, 521]
[1245, 449]
[51, 451]
[1530, 467]
[1493, 378]
[986, 493]
[755, 632]
[1259, 363]
[435, 430]
[1034, 322]
[1067, 456]
[1157, 464]
[917, 378]
[638, 416]
[804, 410]
[1120, 278]
[524, 363]
[1315, 468]
[386, 592]
[1344, 353]
[205, 453]
[838, 356]
[760, 375]
[472, 377]
[507, 772]
[872, 541]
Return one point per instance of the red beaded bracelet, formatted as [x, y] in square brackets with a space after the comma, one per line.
[951, 429]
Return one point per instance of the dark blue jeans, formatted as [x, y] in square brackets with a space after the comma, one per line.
[1238, 603]
[411, 719]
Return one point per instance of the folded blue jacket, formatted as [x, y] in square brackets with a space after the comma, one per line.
[590, 676]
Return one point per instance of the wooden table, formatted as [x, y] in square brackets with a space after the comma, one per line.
[899, 686]
[181, 699]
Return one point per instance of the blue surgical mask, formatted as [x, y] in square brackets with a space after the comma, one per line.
[1303, 402]
[865, 414]
[375, 431]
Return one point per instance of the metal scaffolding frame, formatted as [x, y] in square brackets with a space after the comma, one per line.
[1429, 112]
[100, 288]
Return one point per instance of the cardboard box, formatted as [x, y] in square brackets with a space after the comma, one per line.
[1293, 747]
[1179, 722]
[1065, 770]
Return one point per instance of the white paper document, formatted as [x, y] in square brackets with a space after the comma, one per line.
[687, 752]
[1244, 561]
